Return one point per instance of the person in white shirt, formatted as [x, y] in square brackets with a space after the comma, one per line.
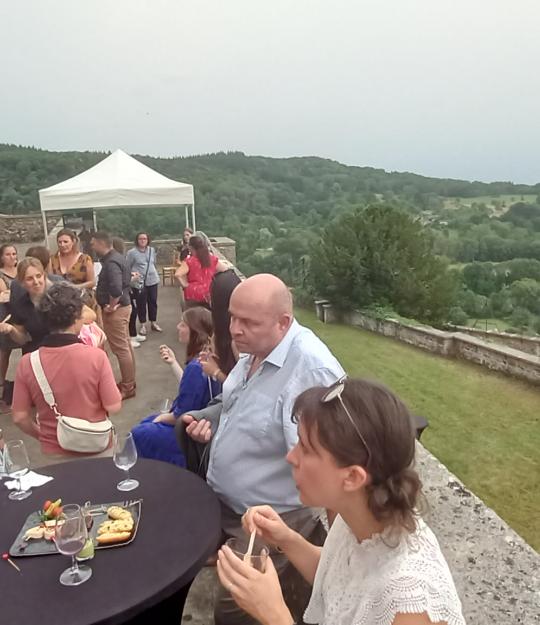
[380, 564]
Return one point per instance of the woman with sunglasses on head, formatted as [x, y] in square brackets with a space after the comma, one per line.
[380, 563]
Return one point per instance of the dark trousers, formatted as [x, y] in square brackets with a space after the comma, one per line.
[133, 316]
[147, 299]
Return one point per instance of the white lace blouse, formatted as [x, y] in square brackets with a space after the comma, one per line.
[368, 583]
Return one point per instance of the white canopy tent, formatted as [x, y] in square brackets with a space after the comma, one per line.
[118, 181]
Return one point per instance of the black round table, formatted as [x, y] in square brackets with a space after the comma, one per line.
[180, 527]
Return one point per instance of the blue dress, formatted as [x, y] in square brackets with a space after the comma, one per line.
[157, 440]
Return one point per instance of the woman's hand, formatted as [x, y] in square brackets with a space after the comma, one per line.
[6, 328]
[258, 594]
[268, 525]
[167, 417]
[209, 364]
[167, 354]
[4, 296]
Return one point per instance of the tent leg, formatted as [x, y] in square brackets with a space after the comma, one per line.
[187, 215]
[193, 217]
[94, 219]
[45, 231]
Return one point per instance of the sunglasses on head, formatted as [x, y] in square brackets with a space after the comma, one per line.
[335, 392]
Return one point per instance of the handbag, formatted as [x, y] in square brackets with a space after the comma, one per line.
[136, 284]
[73, 434]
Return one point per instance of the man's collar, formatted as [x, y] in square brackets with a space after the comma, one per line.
[279, 353]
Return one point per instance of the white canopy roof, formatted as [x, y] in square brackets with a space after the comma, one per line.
[117, 181]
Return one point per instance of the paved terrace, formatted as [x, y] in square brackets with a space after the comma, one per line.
[496, 572]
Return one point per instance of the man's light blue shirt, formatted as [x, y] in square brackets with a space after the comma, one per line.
[247, 458]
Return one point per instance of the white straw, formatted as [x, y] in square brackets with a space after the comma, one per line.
[247, 555]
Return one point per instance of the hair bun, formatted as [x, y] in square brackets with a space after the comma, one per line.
[396, 496]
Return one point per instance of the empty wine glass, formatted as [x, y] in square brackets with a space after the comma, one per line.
[125, 456]
[70, 537]
[165, 406]
[17, 464]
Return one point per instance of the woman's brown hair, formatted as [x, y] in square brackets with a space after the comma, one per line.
[25, 263]
[200, 249]
[387, 428]
[199, 321]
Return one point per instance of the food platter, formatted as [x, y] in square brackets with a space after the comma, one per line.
[101, 518]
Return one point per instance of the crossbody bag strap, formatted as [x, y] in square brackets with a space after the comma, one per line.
[147, 266]
[44, 385]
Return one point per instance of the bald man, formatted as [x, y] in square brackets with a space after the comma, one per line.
[247, 464]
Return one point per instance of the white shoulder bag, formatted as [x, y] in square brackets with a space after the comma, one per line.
[73, 434]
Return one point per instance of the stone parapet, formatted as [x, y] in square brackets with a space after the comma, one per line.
[497, 573]
[494, 356]
[529, 344]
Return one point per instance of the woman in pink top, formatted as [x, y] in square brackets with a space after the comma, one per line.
[80, 376]
[196, 272]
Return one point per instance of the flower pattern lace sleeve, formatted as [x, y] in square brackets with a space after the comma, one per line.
[369, 583]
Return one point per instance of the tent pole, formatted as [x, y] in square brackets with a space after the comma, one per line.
[45, 231]
[94, 219]
[186, 209]
[193, 216]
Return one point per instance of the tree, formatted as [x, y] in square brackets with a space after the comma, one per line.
[481, 278]
[501, 303]
[520, 318]
[380, 255]
[457, 316]
[526, 294]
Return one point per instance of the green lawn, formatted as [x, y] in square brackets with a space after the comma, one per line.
[497, 325]
[489, 200]
[483, 426]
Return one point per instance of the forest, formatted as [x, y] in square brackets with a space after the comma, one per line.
[484, 237]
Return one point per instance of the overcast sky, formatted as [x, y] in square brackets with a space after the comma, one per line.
[447, 88]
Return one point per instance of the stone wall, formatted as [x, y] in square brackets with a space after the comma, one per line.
[529, 344]
[23, 228]
[223, 247]
[453, 344]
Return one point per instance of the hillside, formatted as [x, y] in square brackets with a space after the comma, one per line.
[276, 210]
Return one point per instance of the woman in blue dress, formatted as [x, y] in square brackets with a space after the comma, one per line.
[154, 436]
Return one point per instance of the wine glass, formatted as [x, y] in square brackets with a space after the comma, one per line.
[70, 537]
[165, 406]
[125, 456]
[17, 464]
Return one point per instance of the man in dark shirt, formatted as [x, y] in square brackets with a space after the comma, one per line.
[112, 294]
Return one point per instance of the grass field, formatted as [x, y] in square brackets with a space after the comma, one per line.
[489, 200]
[483, 426]
[498, 325]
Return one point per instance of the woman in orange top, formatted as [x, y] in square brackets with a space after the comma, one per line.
[70, 263]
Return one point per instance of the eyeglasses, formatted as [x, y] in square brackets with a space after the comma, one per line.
[335, 392]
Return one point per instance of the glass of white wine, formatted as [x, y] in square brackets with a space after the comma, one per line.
[17, 464]
[125, 456]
